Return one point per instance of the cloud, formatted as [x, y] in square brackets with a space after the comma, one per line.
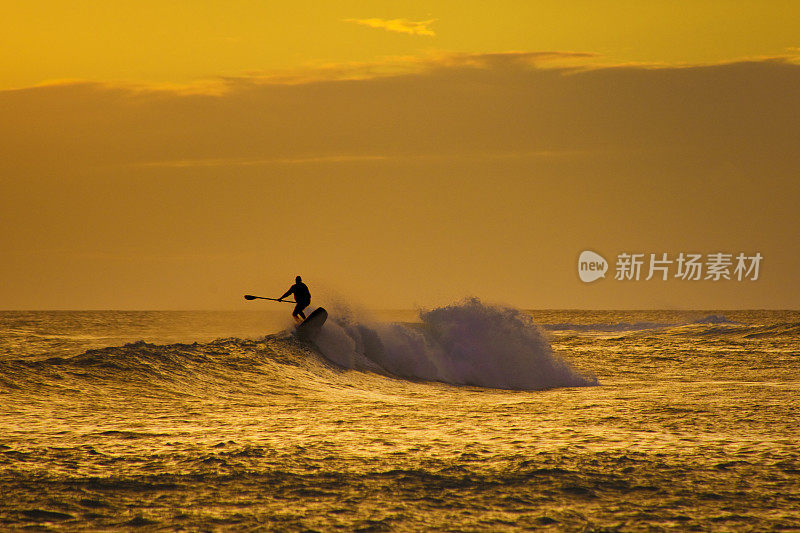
[402, 65]
[410, 27]
[248, 162]
[355, 158]
[434, 108]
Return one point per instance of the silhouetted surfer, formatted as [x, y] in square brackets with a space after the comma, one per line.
[302, 296]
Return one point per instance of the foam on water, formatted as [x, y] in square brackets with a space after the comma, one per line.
[469, 343]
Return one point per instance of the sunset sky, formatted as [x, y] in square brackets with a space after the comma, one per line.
[176, 155]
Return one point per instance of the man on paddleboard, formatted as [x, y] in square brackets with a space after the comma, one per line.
[302, 296]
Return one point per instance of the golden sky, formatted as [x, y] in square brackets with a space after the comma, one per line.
[175, 155]
[181, 41]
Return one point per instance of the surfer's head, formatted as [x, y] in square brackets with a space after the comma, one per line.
[298, 279]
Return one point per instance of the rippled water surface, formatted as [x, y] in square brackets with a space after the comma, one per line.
[640, 421]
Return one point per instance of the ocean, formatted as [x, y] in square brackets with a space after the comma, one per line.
[470, 417]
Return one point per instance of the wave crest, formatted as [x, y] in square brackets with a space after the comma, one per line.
[463, 344]
[468, 343]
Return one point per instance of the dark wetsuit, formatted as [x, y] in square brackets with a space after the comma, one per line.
[301, 295]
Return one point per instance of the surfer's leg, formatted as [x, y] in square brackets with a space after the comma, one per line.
[298, 312]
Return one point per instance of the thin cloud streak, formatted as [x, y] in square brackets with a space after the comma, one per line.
[402, 25]
[399, 66]
[240, 162]
[349, 158]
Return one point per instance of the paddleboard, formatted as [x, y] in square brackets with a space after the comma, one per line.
[309, 328]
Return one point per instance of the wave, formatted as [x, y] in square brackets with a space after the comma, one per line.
[783, 329]
[469, 343]
[464, 344]
[707, 327]
[634, 326]
[176, 368]
[621, 326]
[754, 331]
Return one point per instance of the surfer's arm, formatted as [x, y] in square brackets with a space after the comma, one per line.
[290, 291]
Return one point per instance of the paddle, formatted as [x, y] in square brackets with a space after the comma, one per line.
[251, 297]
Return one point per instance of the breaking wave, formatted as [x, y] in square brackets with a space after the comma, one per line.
[465, 344]
[469, 343]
